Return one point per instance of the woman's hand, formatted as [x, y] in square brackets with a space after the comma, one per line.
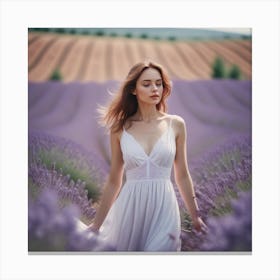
[93, 228]
[199, 225]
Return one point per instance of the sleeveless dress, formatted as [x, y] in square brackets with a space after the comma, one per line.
[145, 216]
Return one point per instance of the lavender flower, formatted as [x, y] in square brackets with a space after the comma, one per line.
[231, 232]
[69, 157]
[225, 171]
[219, 177]
[68, 191]
[52, 228]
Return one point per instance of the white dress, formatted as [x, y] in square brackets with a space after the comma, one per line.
[145, 216]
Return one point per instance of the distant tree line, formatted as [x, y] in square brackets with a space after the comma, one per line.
[101, 32]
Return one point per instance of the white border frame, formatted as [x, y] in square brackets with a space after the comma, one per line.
[261, 16]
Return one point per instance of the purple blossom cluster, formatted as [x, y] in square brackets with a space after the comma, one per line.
[225, 170]
[232, 232]
[219, 177]
[58, 205]
[68, 157]
[68, 191]
[52, 228]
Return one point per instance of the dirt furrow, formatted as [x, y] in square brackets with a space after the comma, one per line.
[120, 61]
[129, 53]
[49, 60]
[231, 57]
[132, 48]
[149, 51]
[247, 44]
[193, 61]
[175, 61]
[32, 37]
[71, 65]
[96, 69]
[85, 61]
[37, 50]
[187, 58]
[108, 60]
[163, 53]
[68, 46]
[239, 50]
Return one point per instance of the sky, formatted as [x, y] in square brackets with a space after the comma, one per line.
[245, 31]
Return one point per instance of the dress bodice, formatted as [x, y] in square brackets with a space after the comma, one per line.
[157, 165]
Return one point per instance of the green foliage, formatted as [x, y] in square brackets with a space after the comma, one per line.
[33, 189]
[69, 166]
[39, 29]
[144, 36]
[100, 33]
[85, 32]
[223, 202]
[56, 75]
[128, 35]
[246, 37]
[234, 72]
[186, 221]
[218, 69]
[72, 31]
[224, 162]
[171, 38]
[245, 185]
[60, 30]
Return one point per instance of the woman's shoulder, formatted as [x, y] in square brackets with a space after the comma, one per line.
[115, 134]
[176, 120]
[178, 124]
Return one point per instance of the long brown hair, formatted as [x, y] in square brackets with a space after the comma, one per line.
[124, 104]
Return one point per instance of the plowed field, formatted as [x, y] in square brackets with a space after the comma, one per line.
[92, 58]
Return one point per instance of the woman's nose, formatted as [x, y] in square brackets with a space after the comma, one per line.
[154, 87]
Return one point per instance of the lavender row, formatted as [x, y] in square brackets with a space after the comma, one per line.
[213, 111]
[219, 177]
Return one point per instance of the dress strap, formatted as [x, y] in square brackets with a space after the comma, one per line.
[170, 122]
[169, 127]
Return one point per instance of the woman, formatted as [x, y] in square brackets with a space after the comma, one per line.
[143, 214]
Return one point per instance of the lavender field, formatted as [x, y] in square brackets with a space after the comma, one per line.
[69, 157]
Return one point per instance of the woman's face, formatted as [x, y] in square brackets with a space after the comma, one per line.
[149, 87]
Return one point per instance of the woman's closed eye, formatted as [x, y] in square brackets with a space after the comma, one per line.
[158, 85]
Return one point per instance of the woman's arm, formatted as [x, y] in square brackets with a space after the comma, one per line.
[181, 172]
[113, 183]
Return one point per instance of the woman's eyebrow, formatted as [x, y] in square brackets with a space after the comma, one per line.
[150, 80]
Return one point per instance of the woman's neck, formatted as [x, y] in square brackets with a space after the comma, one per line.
[147, 113]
